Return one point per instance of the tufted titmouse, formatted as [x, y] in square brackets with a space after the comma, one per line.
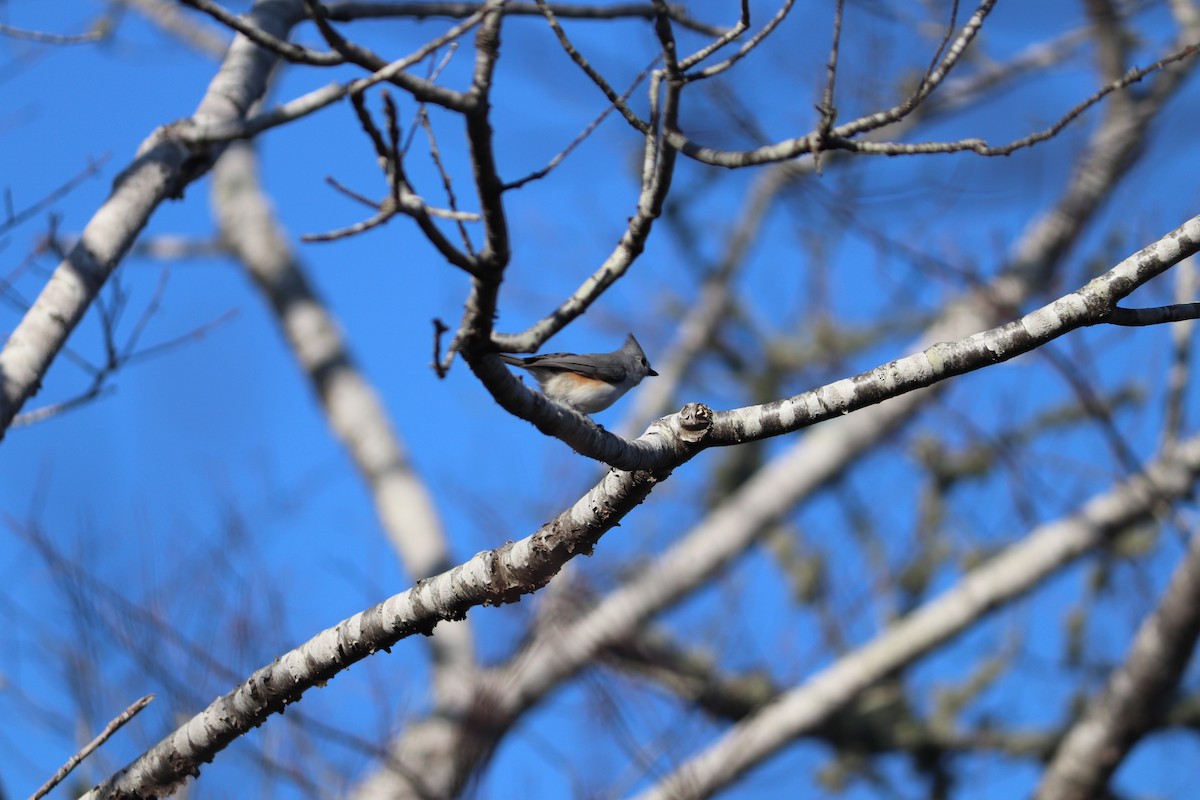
[588, 382]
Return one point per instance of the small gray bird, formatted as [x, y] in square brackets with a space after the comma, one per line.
[588, 382]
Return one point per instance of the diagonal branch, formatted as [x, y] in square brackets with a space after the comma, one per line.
[243, 128]
[250, 232]
[74, 761]
[725, 533]
[493, 577]
[615, 100]
[841, 137]
[265, 38]
[347, 10]
[1137, 695]
[810, 463]
[998, 582]
[1092, 304]
[746, 49]
[163, 168]
[181, 25]
[423, 89]
[354, 410]
[658, 164]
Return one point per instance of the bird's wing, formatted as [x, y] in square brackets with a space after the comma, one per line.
[599, 366]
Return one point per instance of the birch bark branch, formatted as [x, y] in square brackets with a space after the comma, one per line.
[1138, 693]
[1000, 581]
[822, 455]
[163, 168]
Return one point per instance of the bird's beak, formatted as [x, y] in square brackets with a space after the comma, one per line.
[651, 373]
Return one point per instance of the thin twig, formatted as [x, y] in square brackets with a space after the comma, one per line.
[447, 183]
[746, 48]
[1179, 312]
[628, 113]
[358, 101]
[39, 415]
[826, 109]
[351, 230]
[113, 363]
[147, 313]
[595, 123]
[327, 95]
[408, 203]
[838, 138]
[941, 48]
[402, 198]
[939, 68]
[109, 729]
[193, 335]
[982, 148]
[440, 366]
[347, 11]
[740, 27]
[1038, 56]
[285, 49]
[98, 32]
[353, 195]
[364, 57]
[14, 218]
[828, 112]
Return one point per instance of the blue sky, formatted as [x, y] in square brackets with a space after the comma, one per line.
[206, 487]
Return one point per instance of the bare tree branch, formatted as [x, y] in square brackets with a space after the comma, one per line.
[827, 450]
[537, 175]
[163, 168]
[104, 735]
[182, 26]
[263, 38]
[1155, 316]
[839, 138]
[725, 532]
[227, 130]
[1137, 695]
[658, 163]
[740, 27]
[1000, 581]
[1033, 262]
[348, 10]
[99, 31]
[354, 411]
[441, 752]
[14, 218]
[1093, 304]
[615, 100]
[494, 577]
[423, 90]
[743, 51]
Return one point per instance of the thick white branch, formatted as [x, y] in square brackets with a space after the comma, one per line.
[998, 582]
[163, 168]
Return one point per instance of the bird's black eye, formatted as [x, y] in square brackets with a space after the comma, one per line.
[644, 364]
